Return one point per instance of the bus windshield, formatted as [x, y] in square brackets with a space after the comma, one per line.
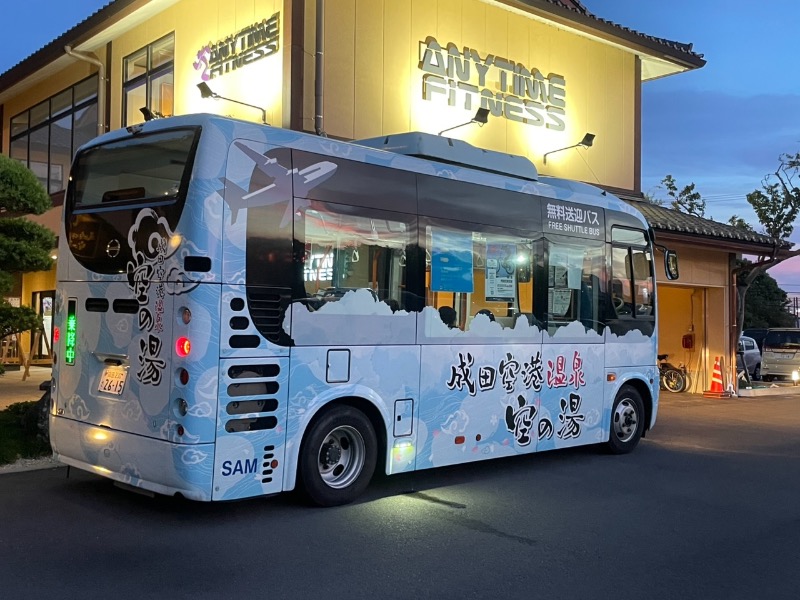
[146, 168]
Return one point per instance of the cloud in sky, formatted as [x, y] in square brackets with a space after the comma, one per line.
[722, 126]
[723, 143]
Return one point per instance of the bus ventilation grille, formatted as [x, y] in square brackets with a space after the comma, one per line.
[249, 395]
[267, 307]
[269, 459]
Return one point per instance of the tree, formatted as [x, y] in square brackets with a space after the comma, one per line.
[24, 245]
[776, 205]
[768, 305]
[740, 223]
[687, 200]
[648, 197]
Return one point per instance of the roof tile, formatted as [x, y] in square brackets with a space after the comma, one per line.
[669, 219]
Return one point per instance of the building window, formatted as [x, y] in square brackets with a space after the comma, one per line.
[45, 137]
[148, 76]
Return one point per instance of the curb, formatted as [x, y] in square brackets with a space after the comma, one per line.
[31, 464]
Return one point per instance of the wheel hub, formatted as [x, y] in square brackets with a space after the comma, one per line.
[341, 457]
[331, 454]
[625, 421]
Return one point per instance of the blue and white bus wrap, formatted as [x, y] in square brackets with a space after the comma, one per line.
[243, 309]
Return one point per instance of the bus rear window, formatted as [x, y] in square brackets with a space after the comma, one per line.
[143, 169]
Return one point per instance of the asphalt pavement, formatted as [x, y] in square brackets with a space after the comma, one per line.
[705, 508]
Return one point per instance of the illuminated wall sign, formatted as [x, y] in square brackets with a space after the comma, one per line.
[252, 43]
[507, 88]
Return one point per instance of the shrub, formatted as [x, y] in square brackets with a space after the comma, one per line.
[20, 435]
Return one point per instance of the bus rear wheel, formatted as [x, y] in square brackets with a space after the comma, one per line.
[338, 456]
[627, 421]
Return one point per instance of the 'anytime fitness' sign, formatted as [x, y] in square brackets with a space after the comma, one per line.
[507, 88]
[252, 43]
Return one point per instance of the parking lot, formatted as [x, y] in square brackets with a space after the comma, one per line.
[706, 507]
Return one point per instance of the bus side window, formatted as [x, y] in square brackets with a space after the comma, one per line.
[631, 282]
[348, 249]
[574, 291]
[481, 272]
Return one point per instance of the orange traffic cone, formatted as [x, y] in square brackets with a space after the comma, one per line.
[717, 390]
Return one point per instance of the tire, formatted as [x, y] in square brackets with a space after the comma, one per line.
[673, 381]
[338, 456]
[757, 372]
[627, 421]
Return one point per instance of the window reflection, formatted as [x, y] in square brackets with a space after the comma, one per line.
[575, 290]
[46, 137]
[346, 252]
[148, 80]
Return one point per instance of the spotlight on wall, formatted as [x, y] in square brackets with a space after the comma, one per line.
[205, 92]
[586, 142]
[481, 117]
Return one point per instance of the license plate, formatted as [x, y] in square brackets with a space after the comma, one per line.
[112, 381]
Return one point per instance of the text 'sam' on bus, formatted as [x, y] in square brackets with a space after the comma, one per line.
[244, 310]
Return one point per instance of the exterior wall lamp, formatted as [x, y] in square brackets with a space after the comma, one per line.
[205, 92]
[481, 117]
[586, 142]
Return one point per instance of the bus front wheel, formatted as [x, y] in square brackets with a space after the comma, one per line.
[338, 456]
[627, 421]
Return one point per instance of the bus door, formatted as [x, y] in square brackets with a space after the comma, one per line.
[481, 344]
[573, 354]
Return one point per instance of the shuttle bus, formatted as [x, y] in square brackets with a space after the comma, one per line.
[243, 310]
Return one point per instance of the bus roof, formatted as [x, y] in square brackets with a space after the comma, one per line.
[420, 152]
[454, 152]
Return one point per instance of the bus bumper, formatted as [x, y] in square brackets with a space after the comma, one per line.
[150, 464]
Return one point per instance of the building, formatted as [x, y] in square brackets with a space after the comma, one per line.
[549, 72]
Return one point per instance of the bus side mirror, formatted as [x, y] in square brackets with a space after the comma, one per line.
[671, 264]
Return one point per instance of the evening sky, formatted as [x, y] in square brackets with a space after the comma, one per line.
[721, 127]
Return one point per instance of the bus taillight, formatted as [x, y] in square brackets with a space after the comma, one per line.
[183, 346]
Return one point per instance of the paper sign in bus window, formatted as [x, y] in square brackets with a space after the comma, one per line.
[500, 272]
